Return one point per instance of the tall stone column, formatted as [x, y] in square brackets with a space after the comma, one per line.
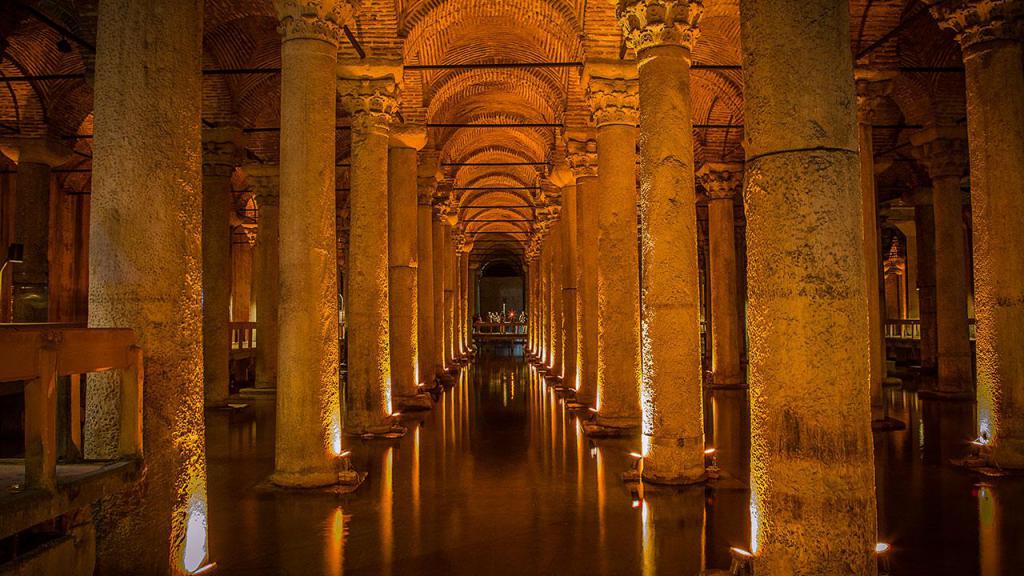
[945, 156]
[909, 230]
[671, 394]
[448, 256]
[241, 278]
[990, 34]
[369, 94]
[265, 178]
[545, 302]
[426, 336]
[724, 183]
[531, 302]
[555, 301]
[565, 180]
[309, 417]
[222, 151]
[31, 278]
[924, 222]
[872, 87]
[439, 237]
[582, 155]
[613, 95]
[145, 273]
[403, 259]
[812, 470]
[467, 295]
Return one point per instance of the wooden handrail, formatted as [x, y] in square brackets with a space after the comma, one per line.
[243, 335]
[38, 354]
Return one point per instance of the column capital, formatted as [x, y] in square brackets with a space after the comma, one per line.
[653, 23]
[943, 151]
[223, 149]
[35, 150]
[976, 22]
[612, 92]
[369, 93]
[264, 177]
[581, 153]
[314, 19]
[723, 181]
[873, 87]
[406, 135]
[428, 176]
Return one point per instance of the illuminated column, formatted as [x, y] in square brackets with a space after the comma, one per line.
[222, 150]
[241, 277]
[872, 87]
[924, 222]
[145, 273]
[426, 335]
[448, 255]
[308, 437]
[724, 183]
[369, 94]
[545, 302]
[31, 278]
[812, 471]
[403, 261]
[455, 293]
[989, 33]
[671, 392]
[582, 155]
[437, 228]
[467, 295]
[268, 278]
[909, 230]
[612, 92]
[555, 300]
[563, 178]
[945, 156]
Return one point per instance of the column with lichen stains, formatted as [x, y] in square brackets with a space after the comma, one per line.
[990, 34]
[613, 96]
[671, 394]
[369, 94]
[812, 468]
[145, 273]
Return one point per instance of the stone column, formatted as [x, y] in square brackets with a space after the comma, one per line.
[241, 278]
[467, 294]
[447, 255]
[369, 95]
[671, 394]
[31, 278]
[909, 230]
[565, 180]
[545, 303]
[990, 34]
[145, 273]
[438, 243]
[403, 259]
[924, 222]
[872, 87]
[309, 426]
[724, 183]
[531, 303]
[555, 301]
[812, 471]
[222, 150]
[582, 154]
[944, 154]
[426, 336]
[268, 279]
[612, 92]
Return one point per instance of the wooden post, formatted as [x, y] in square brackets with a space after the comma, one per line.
[41, 423]
[130, 444]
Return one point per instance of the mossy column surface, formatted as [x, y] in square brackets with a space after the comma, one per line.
[812, 468]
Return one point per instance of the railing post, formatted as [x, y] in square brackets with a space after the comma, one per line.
[41, 423]
[130, 443]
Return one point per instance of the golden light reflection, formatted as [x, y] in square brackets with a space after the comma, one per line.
[335, 547]
[988, 531]
[649, 563]
[387, 498]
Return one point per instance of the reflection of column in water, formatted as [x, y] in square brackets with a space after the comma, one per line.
[387, 496]
[602, 538]
[335, 547]
[580, 455]
[416, 490]
[988, 530]
[673, 535]
[648, 564]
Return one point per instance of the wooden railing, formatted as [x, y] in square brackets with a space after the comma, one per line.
[243, 335]
[499, 328]
[37, 355]
[910, 329]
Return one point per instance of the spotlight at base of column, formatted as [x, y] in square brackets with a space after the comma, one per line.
[342, 476]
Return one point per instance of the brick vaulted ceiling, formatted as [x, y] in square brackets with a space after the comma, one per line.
[242, 34]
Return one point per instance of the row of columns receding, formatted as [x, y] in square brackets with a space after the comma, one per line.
[633, 350]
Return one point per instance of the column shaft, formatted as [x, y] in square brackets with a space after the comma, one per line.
[309, 427]
[268, 277]
[438, 245]
[216, 280]
[145, 273]
[447, 254]
[587, 287]
[924, 220]
[570, 346]
[872, 263]
[555, 300]
[812, 472]
[402, 273]
[425, 292]
[32, 213]
[241, 281]
[723, 183]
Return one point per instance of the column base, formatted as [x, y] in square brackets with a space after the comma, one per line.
[673, 461]
[414, 402]
[611, 427]
[344, 477]
[576, 406]
[388, 430]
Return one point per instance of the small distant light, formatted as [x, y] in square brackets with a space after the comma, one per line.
[740, 552]
[636, 503]
[742, 562]
[637, 500]
[594, 410]
[345, 454]
[881, 548]
[396, 413]
[636, 455]
[208, 568]
[980, 441]
[710, 451]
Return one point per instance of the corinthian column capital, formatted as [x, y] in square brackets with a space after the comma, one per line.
[613, 92]
[653, 23]
[942, 151]
[978, 21]
[723, 181]
[314, 19]
[223, 149]
[873, 87]
[581, 153]
[369, 93]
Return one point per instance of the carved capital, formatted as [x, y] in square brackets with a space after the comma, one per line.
[223, 149]
[653, 23]
[371, 102]
[265, 182]
[406, 135]
[873, 88]
[314, 19]
[942, 151]
[723, 181]
[976, 22]
[613, 93]
[581, 153]
[35, 150]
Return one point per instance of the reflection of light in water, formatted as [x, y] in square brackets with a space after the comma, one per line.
[416, 486]
[386, 509]
[649, 564]
[195, 535]
[988, 531]
[336, 543]
[579, 463]
[602, 534]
